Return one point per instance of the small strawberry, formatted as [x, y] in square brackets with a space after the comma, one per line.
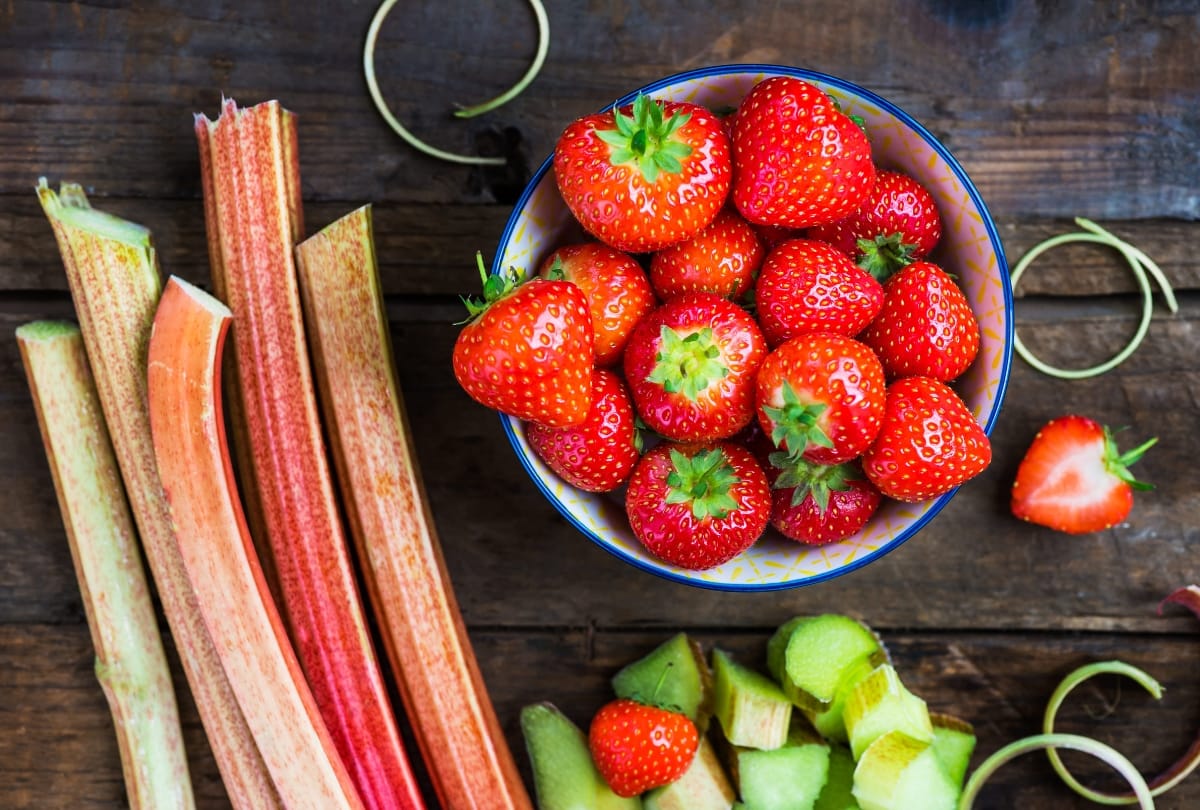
[926, 327]
[600, 453]
[816, 504]
[645, 176]
[1073, 478]
[929, 442]
[526, 349]
[798, 160]
[723, 258]
[690, 365]
[821, 395]
[809, 286]
[698, 505]
[637, 746]
[896, 224]
[616, 287]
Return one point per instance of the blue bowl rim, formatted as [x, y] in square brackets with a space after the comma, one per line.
[509, 423]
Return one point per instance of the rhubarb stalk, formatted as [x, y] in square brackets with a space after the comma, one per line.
[187, 425]
[112, 270]
[252, 177]
[389, 517]
[130, 663]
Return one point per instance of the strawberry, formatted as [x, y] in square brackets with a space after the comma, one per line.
[798, 160]
[926, 327]
[645, 176]
[816, 504]
[1074, 479]
[896, 224]
[616, 287]
[723, 258]
[698, 505]
[526, 349]
[821, 395]
[809, 286]
[600, 453]
[637, 746]
[929, 442]
[690, 365]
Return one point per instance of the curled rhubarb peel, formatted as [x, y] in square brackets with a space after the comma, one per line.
[389, 516]
[250, 159]
[187, 424]
[535, 66]
[130, 662]
[1087, 745]
[112, 270]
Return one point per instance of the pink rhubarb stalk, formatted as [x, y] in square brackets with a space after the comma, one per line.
[389, 516]
[251, 179]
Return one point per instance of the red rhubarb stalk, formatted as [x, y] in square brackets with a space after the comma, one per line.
[112, 270]
[130, 663]
[187, 425]
[250, 160]
[389, 517]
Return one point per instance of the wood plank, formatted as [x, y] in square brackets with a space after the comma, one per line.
[1054, 111]
[998, 682]
[498, 531]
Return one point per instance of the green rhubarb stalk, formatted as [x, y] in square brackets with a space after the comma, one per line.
[130, 663]
[112, 270]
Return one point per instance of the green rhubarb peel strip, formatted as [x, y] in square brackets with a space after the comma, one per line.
[535, 67]
[1105, 753]
[1141, 265]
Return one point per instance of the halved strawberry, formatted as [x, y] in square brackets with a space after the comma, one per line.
[698, 505]
[1074, 479]
[645, 176]
[821, 395]
[929, 442]
[723, 258]
[600, 453]
[690, 365]
[809, 286]
[616, 287]
[637, 746]
[799, 161]
[527, 349]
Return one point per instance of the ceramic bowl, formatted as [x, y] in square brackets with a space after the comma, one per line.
[970, 249]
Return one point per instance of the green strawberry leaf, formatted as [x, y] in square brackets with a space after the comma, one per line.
[806, 478]
[704, 481]
[884, 255]
[795, 424]
[687, 365]
[645, 138]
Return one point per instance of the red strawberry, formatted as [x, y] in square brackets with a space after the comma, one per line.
[809, 286]
[798, 160]
[926, 327]
[898, 223]
[691, 365]
[617, 290]
[821, 395]
[929, 442]
[645, 176]
[698, 505]
[818, 504]
[723, 258]
[527, 350]
[1074, 479]
[637, 747]
[600, 453]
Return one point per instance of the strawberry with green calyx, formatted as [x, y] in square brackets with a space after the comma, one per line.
[926, 326]
[723, 258]
[798, 160]
[638, 746]
[645, 176]
[698, 505]
[821, 396]
[809, 286]
[929, 442]
[690, 365]
[1074, 479]
[527, 349]
[816, 504]
[616, 287]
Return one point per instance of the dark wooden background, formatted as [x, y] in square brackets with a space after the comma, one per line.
[1055, 109]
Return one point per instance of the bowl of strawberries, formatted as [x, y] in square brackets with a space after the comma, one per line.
[748, 328]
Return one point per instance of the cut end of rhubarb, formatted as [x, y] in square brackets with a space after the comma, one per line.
[70, 206]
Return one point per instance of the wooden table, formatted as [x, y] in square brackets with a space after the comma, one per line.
[1055, 110]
